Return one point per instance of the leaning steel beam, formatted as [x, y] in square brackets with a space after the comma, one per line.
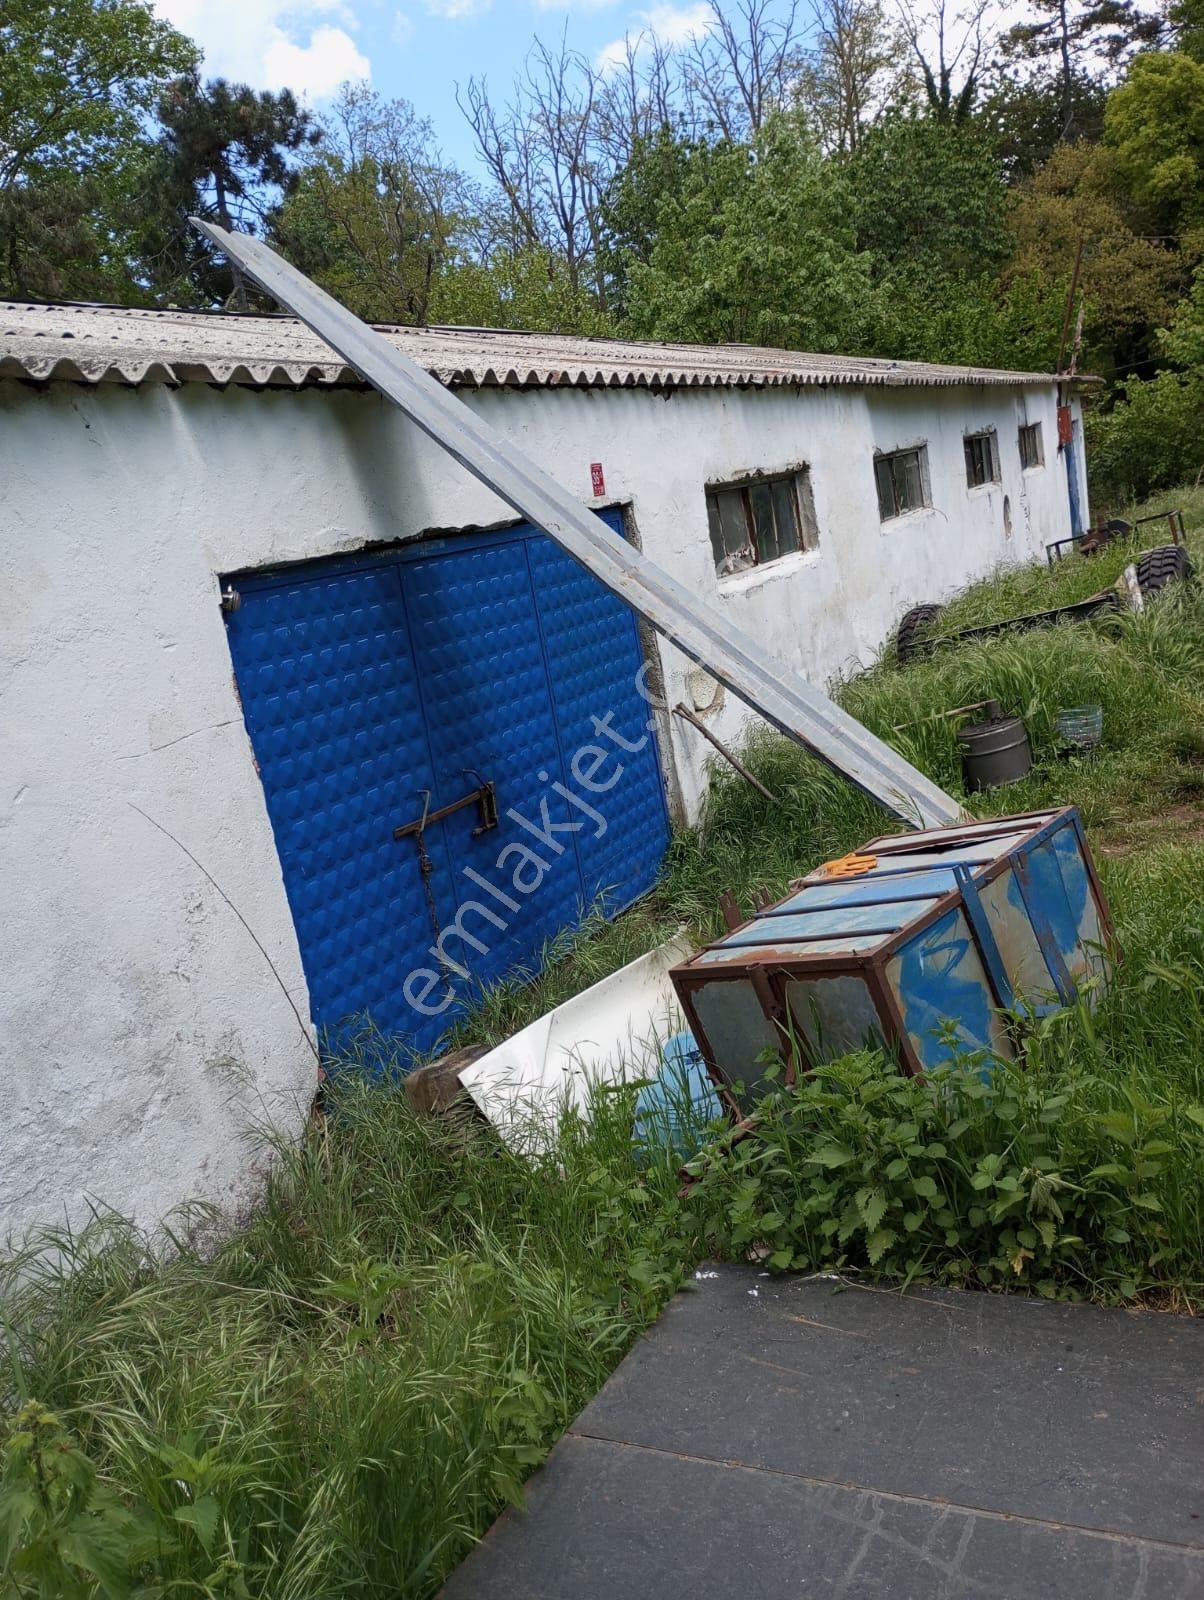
[696, 628]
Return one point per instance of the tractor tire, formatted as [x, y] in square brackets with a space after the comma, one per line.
[914, 631]
[1166, 563]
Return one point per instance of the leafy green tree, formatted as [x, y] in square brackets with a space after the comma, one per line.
[1074, 45]
[224, 153]
[1129, 281]
[930, 195]
[755, 245]
[377, 214]
[651, 179]
[1155, 123]
[1027, 116]
[1186, 22]
[78, 80]
[516, 288]
[1150, 438]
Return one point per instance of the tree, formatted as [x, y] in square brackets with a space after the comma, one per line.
[515, 289]
[1128, 282]
[1078, 44]
[947, 46]
[542, 150]
[78, 79]
[377, 214]
[654, 175]
[1155, 123]
[852, 72]
[929, 194]
[223, 153]
[741, 65]
[1185, 20]
[1029, 114]
[756, 245]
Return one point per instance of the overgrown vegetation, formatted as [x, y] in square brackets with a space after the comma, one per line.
[345, 1396]
[339, 1399]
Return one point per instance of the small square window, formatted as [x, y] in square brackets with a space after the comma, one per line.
[982, 459]
[1032, 450]
[902, 479]
[760, 521]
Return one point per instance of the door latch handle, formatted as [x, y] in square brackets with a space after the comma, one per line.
[484, 798]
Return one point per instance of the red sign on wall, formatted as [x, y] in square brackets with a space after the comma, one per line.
[596, 478]
[1065, 425]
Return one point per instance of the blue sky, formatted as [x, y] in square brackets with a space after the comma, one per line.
[417, 49]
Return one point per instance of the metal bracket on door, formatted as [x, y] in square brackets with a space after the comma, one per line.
[485, 797]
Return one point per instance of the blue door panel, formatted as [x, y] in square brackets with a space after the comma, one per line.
[489, 711]
[593, 651]
[331, 702]
[443, 664]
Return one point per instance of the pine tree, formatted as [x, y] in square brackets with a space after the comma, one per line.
[224, 154]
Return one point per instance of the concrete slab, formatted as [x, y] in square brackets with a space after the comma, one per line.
[796, 1437]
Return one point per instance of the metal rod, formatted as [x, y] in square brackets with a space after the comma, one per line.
[698, 629]
[680, 710]
[482, 797]
[1074, 288]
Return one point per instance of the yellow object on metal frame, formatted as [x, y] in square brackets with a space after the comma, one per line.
[850, 866]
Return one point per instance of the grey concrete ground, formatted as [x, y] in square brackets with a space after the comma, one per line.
[774, 1438]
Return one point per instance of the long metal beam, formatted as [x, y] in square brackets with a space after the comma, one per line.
[697, 629]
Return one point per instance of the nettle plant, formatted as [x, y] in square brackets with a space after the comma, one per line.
[987, 1172]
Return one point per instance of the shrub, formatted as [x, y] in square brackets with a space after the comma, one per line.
[1150, 439]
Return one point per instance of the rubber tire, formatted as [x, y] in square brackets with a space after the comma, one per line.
[914, 631]
[1166, 563]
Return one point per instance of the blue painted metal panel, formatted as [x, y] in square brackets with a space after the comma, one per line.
[918, 884]
[1028, 973]
[830, 920]
[366, 681]
[604, 722]
[941, 988]
[1090, 958]
[488, 705]
[331, 701]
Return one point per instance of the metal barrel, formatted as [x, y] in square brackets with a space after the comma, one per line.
[995, 753]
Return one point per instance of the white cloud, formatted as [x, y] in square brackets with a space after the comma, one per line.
[671, 25]
[305, 45]
[402, 30]
[457, 10]
[316, 69]
[573, 5]
[679, 24]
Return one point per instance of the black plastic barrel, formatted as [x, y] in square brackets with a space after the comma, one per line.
[995, 753]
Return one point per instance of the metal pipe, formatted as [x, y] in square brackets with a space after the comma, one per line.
[680, 710]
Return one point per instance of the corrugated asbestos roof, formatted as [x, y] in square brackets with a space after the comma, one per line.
[109, 344]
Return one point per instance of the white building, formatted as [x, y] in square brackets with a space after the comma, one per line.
[400, 645]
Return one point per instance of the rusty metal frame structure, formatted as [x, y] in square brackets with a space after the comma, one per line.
[770, 966]
[697, 629]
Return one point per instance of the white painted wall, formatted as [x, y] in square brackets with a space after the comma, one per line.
[141, 1030]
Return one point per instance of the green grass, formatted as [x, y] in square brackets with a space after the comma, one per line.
[367, 1373]
[341, 1398]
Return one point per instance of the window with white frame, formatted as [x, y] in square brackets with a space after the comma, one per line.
[902, 479]
[982, 458]
[1032, 449]
[759, 520]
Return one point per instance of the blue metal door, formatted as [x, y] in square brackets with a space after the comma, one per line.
[377, 690]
